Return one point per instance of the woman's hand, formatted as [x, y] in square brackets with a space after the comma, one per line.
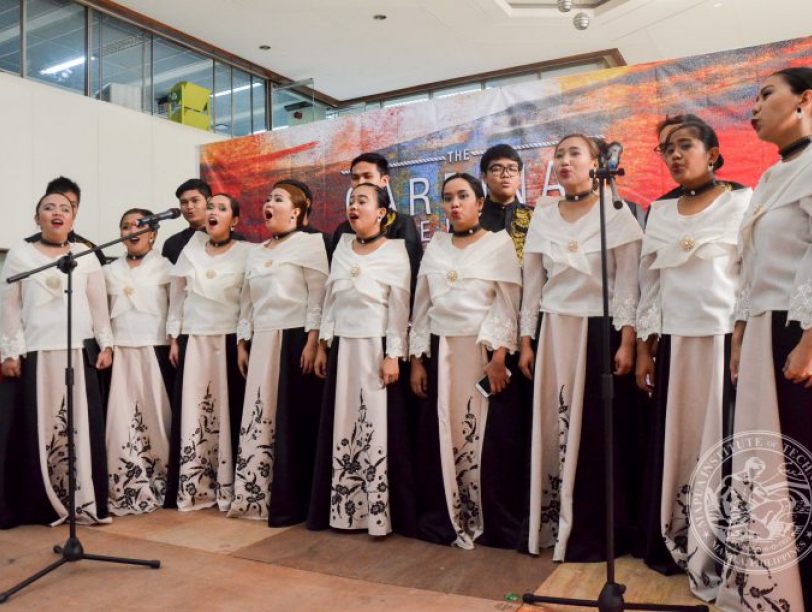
[644, 372]
[736, 350]
[242, 357]
[320, 364]
[798, 367]
[12, 368]
[527, 358]
[419, 379]
[497, 372]
[308, 359]
[174, 352]
[105, 359]
[624, 358]
[390, 371]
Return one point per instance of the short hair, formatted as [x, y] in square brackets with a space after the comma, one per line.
[381, 193]
[499, 151]
[298, 196]
[475, 183]
[705, 134]
[235, 205]
[63, 185]
[372, 158]
[135, 211]
[677, 120]
[194, 185]
[799, 78]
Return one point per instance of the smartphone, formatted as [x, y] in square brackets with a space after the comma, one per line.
[484, 385]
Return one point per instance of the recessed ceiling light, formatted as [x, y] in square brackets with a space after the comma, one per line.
[379, 17]
[265, 47]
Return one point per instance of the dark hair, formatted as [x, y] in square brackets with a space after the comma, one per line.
[500, 151]
[63, 185]
[235, 205]
[597, 146]
[135, 211]
[475, 183]
[372, 158]
[677, 120]
[39, 202]
[799, 79]
[703, 133]
[380, 192]
[194, 185]
[298, 196]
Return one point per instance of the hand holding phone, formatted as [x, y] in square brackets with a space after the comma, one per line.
[484, 385]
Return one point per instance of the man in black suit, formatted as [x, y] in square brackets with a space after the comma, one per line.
[192, 196]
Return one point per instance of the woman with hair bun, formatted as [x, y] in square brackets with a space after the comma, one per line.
[563, 286]
[689, 276]
[363, 477]
[278, 330]
[772, 364]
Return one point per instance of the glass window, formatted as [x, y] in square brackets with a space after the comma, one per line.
[125, 64]
[258, 101]
[172, 65]
[450, 92]
[290, 108]
[95, 54]
[241, 92]
[512, 80]
[10, 16]
[576, 69]
[404, 100]
[55, 43]
[222, 99]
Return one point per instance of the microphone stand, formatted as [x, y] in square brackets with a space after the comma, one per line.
[73, 550]
[611, 596]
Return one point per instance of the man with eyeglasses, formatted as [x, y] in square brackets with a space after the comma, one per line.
[501, 169]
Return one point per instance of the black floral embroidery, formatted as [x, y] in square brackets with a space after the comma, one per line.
[139, 482]
[57, 453]
[252, 478]
[551, 491]
[199, 456]
[678, 529]
[359, 481]
[467, 514]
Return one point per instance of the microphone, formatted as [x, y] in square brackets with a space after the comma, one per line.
[617, 201]
[613, 153]
[172, 213]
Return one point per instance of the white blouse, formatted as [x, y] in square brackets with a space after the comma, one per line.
[139, 299]
[474, 291]
[284, 285]
[562, 265]
[368, 295]
[689, 272]
[775, 241]
[204, 296]
[34, 311]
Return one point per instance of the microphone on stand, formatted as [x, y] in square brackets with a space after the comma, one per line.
[613, 153]
[172, 213]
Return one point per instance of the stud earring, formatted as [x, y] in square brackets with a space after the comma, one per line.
[292, 217]
[799, 113]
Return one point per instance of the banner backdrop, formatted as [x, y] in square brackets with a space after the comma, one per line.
[427, 141]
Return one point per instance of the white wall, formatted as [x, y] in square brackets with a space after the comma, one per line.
[119, 157]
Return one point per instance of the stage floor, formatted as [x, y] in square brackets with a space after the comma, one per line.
[213, 563]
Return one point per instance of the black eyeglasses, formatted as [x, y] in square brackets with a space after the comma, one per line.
[499, 170]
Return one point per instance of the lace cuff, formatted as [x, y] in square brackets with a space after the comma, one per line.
[743, 304]
[14, 347]
[105, 338]
[419, 343]
[528, 322]
[244, 331]
[649, 322]
[327, 331]
[173, 327]
[624, 311]
[313, 320]
[800, 305]
[498, 333]
[396, 345]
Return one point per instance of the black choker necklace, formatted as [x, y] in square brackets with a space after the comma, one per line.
[371, 239]
[284, 234]
[53, 244]
[795, 147]
[137, 257]
[217, 245]
[701, 189]
[578, 196]
[470, 231]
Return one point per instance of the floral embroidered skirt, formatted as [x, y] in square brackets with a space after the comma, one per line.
[280, 424]
[34, 442]
[567, 469]
[138, 421]
[363, 477]
[206, 412]
[768, 565]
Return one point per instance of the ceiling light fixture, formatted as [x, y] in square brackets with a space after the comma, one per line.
[581, 21]
[379, 17]
[56, 68]
[565, 6]
[265, 47]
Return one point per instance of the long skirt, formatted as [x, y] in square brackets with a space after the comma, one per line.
[363, 477]
[567, 449]
[34, 442]
[471, 455]
[768, 565]
[138, 421]
[280, 424]
[206, 413]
